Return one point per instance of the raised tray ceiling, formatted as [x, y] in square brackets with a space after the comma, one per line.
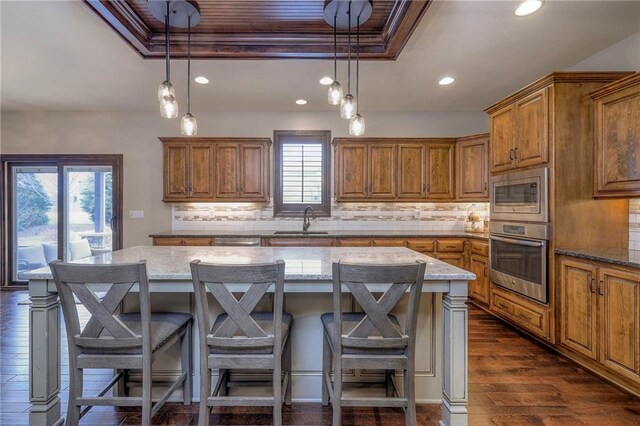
[262, 29]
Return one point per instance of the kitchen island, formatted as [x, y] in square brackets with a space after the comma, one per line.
[441, 352]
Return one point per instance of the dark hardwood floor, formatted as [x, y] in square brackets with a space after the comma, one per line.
[512, 381]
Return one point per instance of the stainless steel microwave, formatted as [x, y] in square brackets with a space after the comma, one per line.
[520, 196]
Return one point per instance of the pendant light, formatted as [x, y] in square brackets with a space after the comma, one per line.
[349, 103]
[335, 90]
[189, 125]
[166, 92]
[356, 124]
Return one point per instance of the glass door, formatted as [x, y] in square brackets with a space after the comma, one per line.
[88, 211]
[35, 217]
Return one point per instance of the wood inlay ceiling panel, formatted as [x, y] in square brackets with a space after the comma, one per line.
[254, 29]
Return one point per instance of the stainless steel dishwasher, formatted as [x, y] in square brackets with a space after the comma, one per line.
[236, 242]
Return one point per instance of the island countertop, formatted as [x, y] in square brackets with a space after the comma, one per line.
[302, 263]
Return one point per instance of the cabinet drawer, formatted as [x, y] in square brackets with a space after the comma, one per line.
[197, 241]
[533, 318]
[450, 245]
[480, 248]
[167, 241]
[355, 242]
[390, 242]
[423, 246]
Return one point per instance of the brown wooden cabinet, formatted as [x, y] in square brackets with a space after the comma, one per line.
[479, 288]
[472, 167]
[617, 138]
[394, 169]
[298, 242]
[215, 169]
[176, 241]
[520, 311]
[600, 314]
[519, 131]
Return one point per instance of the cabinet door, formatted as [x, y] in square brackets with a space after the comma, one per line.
[479, 288]
[198, 241]
[351, 171]
[619, 314]
[455, 259]
[502, 139]
[617, 137]
[473, 169]
[227, 171]
[355, 242]
[389, 242]
[176, 171]
[440, 171]
[532, 147]
[578, 307]
[411, 171]
[382, 168]
[253, 172]
[201, 171]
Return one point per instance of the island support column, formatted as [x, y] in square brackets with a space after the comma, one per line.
[44, 355]
[455, 379]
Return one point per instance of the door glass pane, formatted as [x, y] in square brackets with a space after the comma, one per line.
[518, 260]
[35, 213]
[88, 211]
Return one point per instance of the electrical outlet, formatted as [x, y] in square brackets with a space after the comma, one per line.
[136, 214]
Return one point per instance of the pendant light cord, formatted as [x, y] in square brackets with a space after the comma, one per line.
[349, 67]
[189, 65]
[167, 47]
[358, 66]
[335, 46]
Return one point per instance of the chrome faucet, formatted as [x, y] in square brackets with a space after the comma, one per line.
[306, 223]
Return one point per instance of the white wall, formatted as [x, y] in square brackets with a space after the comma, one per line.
[622, 56]
[135, 134]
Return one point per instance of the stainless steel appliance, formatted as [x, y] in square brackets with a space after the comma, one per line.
[520, 196]
[519, 257]
[237, 242]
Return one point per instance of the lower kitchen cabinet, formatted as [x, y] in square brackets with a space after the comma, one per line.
[479, 288]
[520, 311]
[599, 313]
[455, 259]
[172, 241]
[355, 242]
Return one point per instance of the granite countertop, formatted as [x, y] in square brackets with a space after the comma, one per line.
[302, 264]
[622, 257]
[329, 234]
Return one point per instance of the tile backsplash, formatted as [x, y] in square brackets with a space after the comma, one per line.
[634, 224]
[350, 216]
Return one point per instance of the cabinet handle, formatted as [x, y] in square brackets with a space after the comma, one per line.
[511, 154]
[428, 187]
[515, 153]
[592, 285]
[424, 187]
[601, 288]
[485, 186]
[485, 271]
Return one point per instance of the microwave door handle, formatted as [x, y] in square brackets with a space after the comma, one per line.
[519, 242]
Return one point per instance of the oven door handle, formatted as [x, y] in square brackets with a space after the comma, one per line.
[519, 242]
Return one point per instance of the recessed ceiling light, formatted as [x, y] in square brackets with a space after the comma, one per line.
[528, 7]
[301, 101]
[325, 81]
[446, 80]
[201, 79]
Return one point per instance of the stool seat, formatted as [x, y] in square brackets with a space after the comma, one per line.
[349, 322]
[164, 326]
[264, 321]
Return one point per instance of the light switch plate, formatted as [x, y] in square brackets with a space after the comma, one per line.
[136, 214]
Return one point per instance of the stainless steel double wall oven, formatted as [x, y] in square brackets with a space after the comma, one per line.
[520, 232]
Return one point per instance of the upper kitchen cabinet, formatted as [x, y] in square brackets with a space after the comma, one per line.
[617, 138]
[472, 167]
[216, 169]
[394, 169]
[519, 131]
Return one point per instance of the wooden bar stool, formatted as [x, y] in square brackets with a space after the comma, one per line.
[373, 339]
[240, 338]
[121, 342]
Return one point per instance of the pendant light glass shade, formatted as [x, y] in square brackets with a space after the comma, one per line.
[348, 107]
[169, 107]
[189, 125]
[335, 93]
[356, 125]
[165, 89]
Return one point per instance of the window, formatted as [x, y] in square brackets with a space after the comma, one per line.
[301, 172]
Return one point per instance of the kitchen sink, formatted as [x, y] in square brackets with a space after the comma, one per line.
[301, 233]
